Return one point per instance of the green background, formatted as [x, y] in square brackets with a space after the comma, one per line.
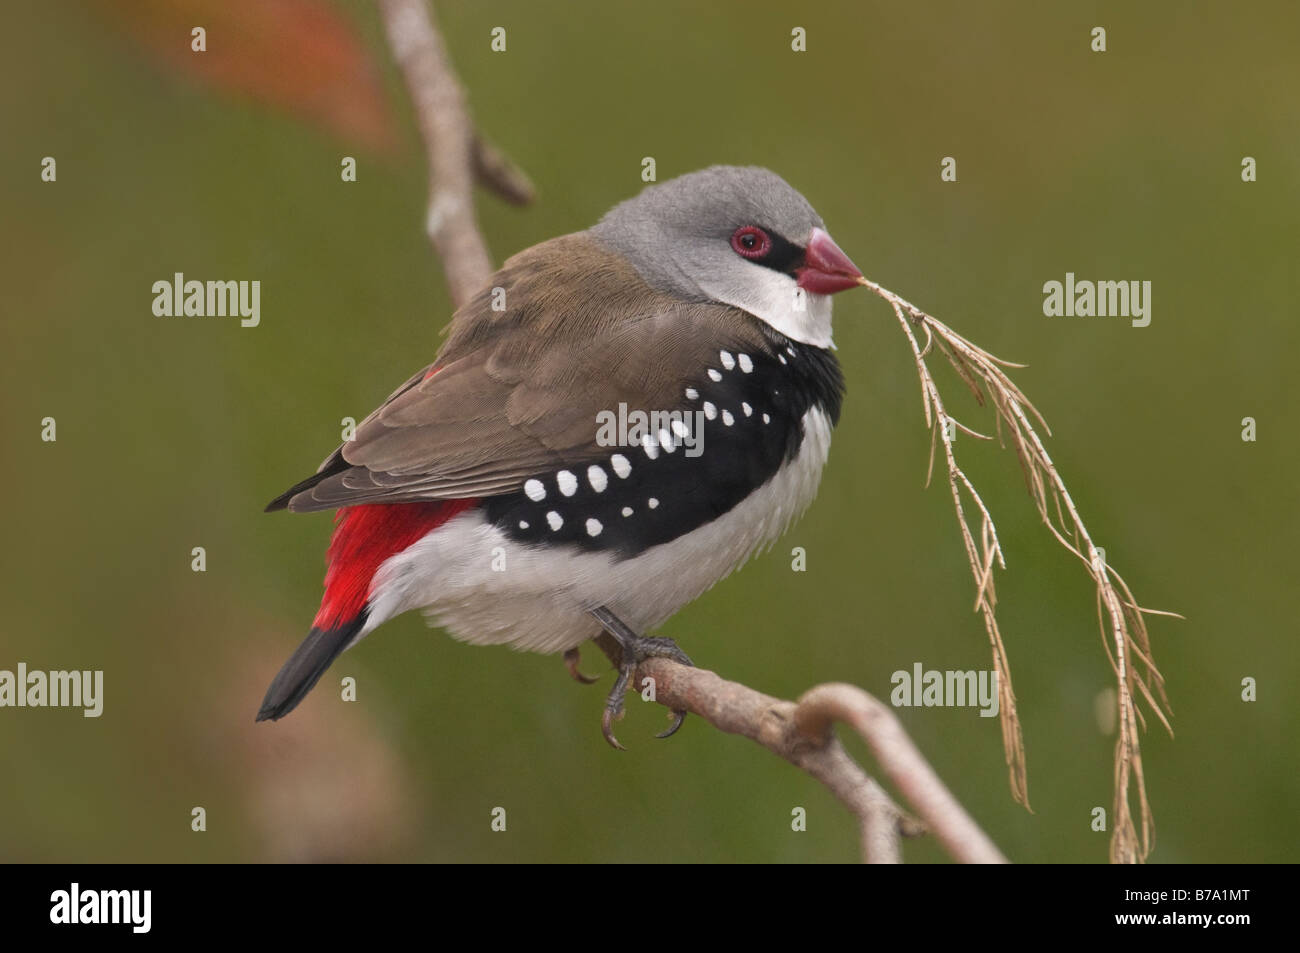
[173, 433]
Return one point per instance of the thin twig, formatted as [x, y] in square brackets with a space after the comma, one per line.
[496, 171]
[821, 706]
[449, 139]
[1135, 671]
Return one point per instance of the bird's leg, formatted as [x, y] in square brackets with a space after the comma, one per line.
[572, 658]
[634, 649]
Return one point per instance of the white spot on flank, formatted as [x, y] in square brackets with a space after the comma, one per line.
[746, 364]
[620, 465]
[715, 376]
[650, 446]
[568, 482]
[627, 511]
[680, 429]
[652, 502]
[554, 519]
[594, 527]
[709, 410]
[523, 524]
[692, 394]
[666, 441]
[727, 418]
[596, 477]
[767, 419]
[749, 411]
[727, 360]
[535, 490]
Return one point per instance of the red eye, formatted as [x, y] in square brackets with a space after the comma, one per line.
[750, 241]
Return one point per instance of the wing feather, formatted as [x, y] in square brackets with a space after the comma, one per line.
[515, 393]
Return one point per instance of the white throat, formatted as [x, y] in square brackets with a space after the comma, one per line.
[778, 300]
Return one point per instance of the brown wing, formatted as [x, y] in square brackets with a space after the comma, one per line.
[516, 391]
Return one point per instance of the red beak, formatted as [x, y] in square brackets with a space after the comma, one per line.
[826, 268]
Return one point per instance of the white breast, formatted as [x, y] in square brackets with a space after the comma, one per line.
[483, 587]
[776, 299]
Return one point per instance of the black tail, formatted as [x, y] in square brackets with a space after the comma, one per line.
[306, 666]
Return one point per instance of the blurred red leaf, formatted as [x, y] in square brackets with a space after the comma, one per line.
[302, 56]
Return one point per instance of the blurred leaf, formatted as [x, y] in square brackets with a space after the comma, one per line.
[301, 56]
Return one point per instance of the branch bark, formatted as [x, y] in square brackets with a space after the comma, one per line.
[456, 153]
[801, 732]
[820, 707]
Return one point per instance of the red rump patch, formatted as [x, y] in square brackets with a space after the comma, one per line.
[364, 536]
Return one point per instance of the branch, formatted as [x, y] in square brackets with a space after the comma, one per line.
[456, 153]
[494, 169]
[801, 734]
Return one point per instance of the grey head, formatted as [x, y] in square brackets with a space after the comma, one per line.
[737, 235]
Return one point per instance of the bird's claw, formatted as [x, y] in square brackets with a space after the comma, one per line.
[678, 718]
[635, 651]
[572, 657]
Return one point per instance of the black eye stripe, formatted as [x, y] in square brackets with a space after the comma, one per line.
[785, 255]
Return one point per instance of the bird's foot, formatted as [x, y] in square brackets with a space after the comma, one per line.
[634, 650]
[572, 658]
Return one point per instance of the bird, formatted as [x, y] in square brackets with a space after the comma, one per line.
[492, 491]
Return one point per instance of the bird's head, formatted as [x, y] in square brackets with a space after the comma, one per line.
[737, 235]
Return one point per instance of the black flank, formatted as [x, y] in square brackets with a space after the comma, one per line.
[688, 492]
